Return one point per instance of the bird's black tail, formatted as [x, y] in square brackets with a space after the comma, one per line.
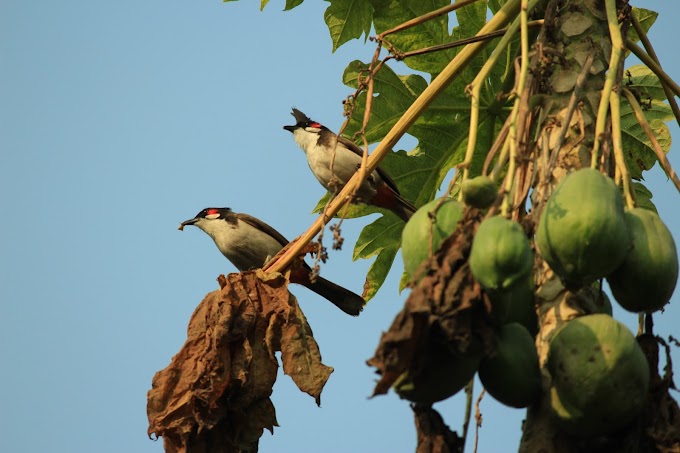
[389, 198]
[404, 208]
[344, 299]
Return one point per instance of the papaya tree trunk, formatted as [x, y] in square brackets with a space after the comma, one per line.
[570, 65]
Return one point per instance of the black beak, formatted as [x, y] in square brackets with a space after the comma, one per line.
[290, 128]
[187, 222]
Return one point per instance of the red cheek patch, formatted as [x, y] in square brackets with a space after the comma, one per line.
[213, 211]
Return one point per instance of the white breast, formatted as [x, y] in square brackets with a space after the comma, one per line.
[244, 245]
[325, 167]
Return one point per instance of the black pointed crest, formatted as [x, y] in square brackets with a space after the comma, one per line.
[300, 117]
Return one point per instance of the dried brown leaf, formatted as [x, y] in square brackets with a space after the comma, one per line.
[446, 307]
[214, 395]
[301, 356]
[434, 436]
[661, 415]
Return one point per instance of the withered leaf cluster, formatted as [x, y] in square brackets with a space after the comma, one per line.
[447, 307]
[434, 436]
[215, 394]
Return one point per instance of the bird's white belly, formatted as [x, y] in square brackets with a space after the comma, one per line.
[246, 246]
[339, 170]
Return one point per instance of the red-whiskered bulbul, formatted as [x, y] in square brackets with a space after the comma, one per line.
[249, 243]
[319, 144]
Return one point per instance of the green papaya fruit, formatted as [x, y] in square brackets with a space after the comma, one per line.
[582, 233]
[600, 376]
[646, 279]
[421, 235]
[512, 375]
[479, 192]
[501, 254]
[442, 375]
[516, 304]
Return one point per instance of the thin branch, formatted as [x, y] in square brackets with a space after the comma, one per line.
[375, 66]
[461, 42]
[618, 148]
[475, 89]
[640, 117]
[425, 17]
[512, 133]
[448, 74]
[500, 140]
[650, 50]
[496, 172]
[617, 46]
[469, 387]
[656, 69]
[478, 417]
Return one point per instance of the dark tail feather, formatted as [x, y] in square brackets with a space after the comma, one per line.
[344, 299]
[386, 197]
[404, 208]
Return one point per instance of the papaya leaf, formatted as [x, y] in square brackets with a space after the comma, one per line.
[646, 18]
[644, 197]
[263, 3]
[395, 95]
[470, 20]
[290, 4]
[347, 19]
[301, 356]
[495, 5]
[442, 133]
[641, 80]
[404, 281]
[637, 148]
[381, 238]
[390, 13]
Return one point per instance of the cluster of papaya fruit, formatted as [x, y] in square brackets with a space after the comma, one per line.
[597, 373]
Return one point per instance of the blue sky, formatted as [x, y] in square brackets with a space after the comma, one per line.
[120, 119]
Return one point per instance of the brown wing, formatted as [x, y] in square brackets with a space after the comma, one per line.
[257, 223]
[350, 145]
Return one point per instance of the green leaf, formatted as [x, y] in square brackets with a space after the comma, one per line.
[640, 155]
[646, 18]
[290, 4]
[348, 19]
[644, 83]
[389, 13]
[404, 281]
[378, 239]
[441, 132]
[637, 147]
[643, 197]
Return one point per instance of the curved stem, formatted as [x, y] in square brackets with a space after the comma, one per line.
[650, 50]
[512, 133]
[612, 74]
[618, 148]
[425, 17]
[642, 120]
[656, 69]
[476, 89]
[469, 387]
